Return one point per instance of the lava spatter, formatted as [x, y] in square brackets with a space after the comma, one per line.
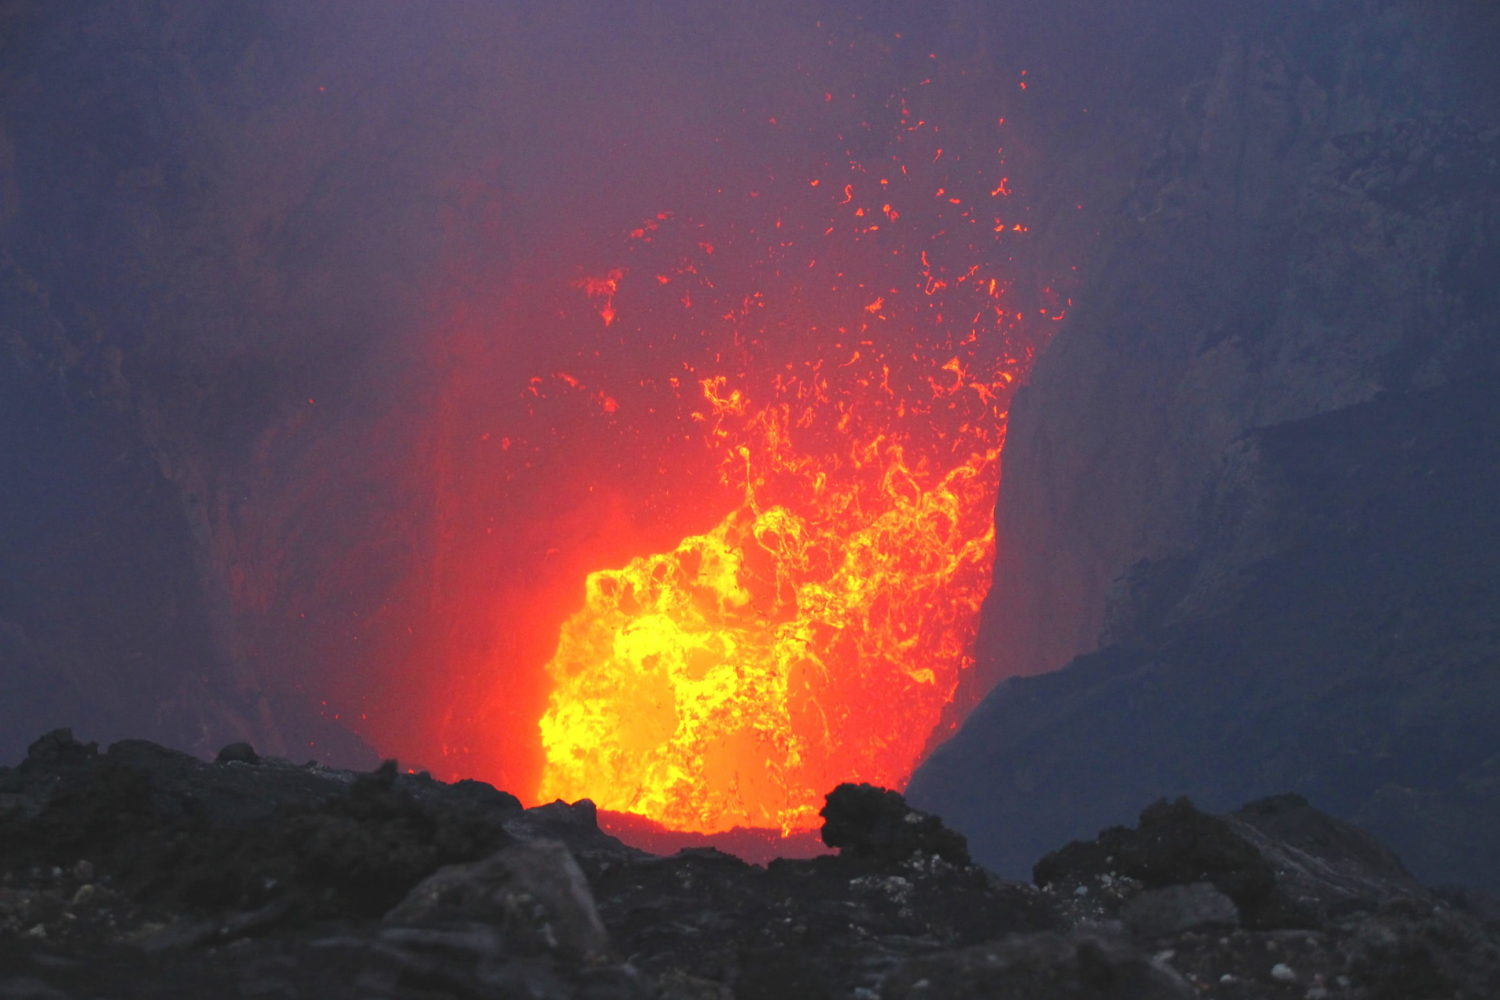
[864, 352]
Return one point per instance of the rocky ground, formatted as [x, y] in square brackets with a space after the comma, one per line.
[138, 871]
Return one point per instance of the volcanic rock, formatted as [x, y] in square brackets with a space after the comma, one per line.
[1157, 913]
[531, 891]
[863, 821]
[1275, 863]
[1339, 641]
[137, 872]
[1175, 845]
[131, 430]
[58, 748]
[238, 753]
[1276, 892]
[1078, 966]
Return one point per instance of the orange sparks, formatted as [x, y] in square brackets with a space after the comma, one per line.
[812, 626]
[602, 292]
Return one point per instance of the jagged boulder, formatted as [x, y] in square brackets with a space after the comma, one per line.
[1176, 844]
[1279, 862]
[867, 822]
[534, 892]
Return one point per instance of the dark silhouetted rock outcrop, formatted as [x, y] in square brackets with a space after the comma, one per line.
[1281, 863]
[864, 821]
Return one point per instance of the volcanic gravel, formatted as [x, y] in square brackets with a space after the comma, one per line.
[138, 871]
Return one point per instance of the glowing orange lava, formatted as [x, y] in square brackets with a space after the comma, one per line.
[856, 400]
[810, 637]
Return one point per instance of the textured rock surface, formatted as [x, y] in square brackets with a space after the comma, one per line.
[863, 821]
[1278, 861]
[1320, 905]
[1348, 655]
[1157, 913]
[141, 872]
[1079, 966]
[1307, 222]
[171, 295]
[1253, 478]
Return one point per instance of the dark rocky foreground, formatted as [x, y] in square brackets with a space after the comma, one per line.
[143, 872]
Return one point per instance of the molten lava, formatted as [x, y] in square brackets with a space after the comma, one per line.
[812, 636]
[845, 344]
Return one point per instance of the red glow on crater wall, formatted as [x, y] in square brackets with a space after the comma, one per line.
[814, 631]
[731, 506]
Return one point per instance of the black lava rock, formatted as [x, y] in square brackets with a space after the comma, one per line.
[238, 753]
[1175, 844]
[1078, 966]
[1158, 913]
[59, 748]
[141, 872]
[864, 821]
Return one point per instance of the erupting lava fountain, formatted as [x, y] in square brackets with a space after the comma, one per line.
[862, 353]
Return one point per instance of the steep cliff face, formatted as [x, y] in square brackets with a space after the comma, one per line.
[1252, 467]
[174, 295]
[1310, 224]
[1337, 635]
[79, 611]
[113, 612]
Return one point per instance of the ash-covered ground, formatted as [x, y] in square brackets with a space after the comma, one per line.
[139, 871]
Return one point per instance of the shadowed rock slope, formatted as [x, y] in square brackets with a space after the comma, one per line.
[1252, 486]
[1348, 651]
